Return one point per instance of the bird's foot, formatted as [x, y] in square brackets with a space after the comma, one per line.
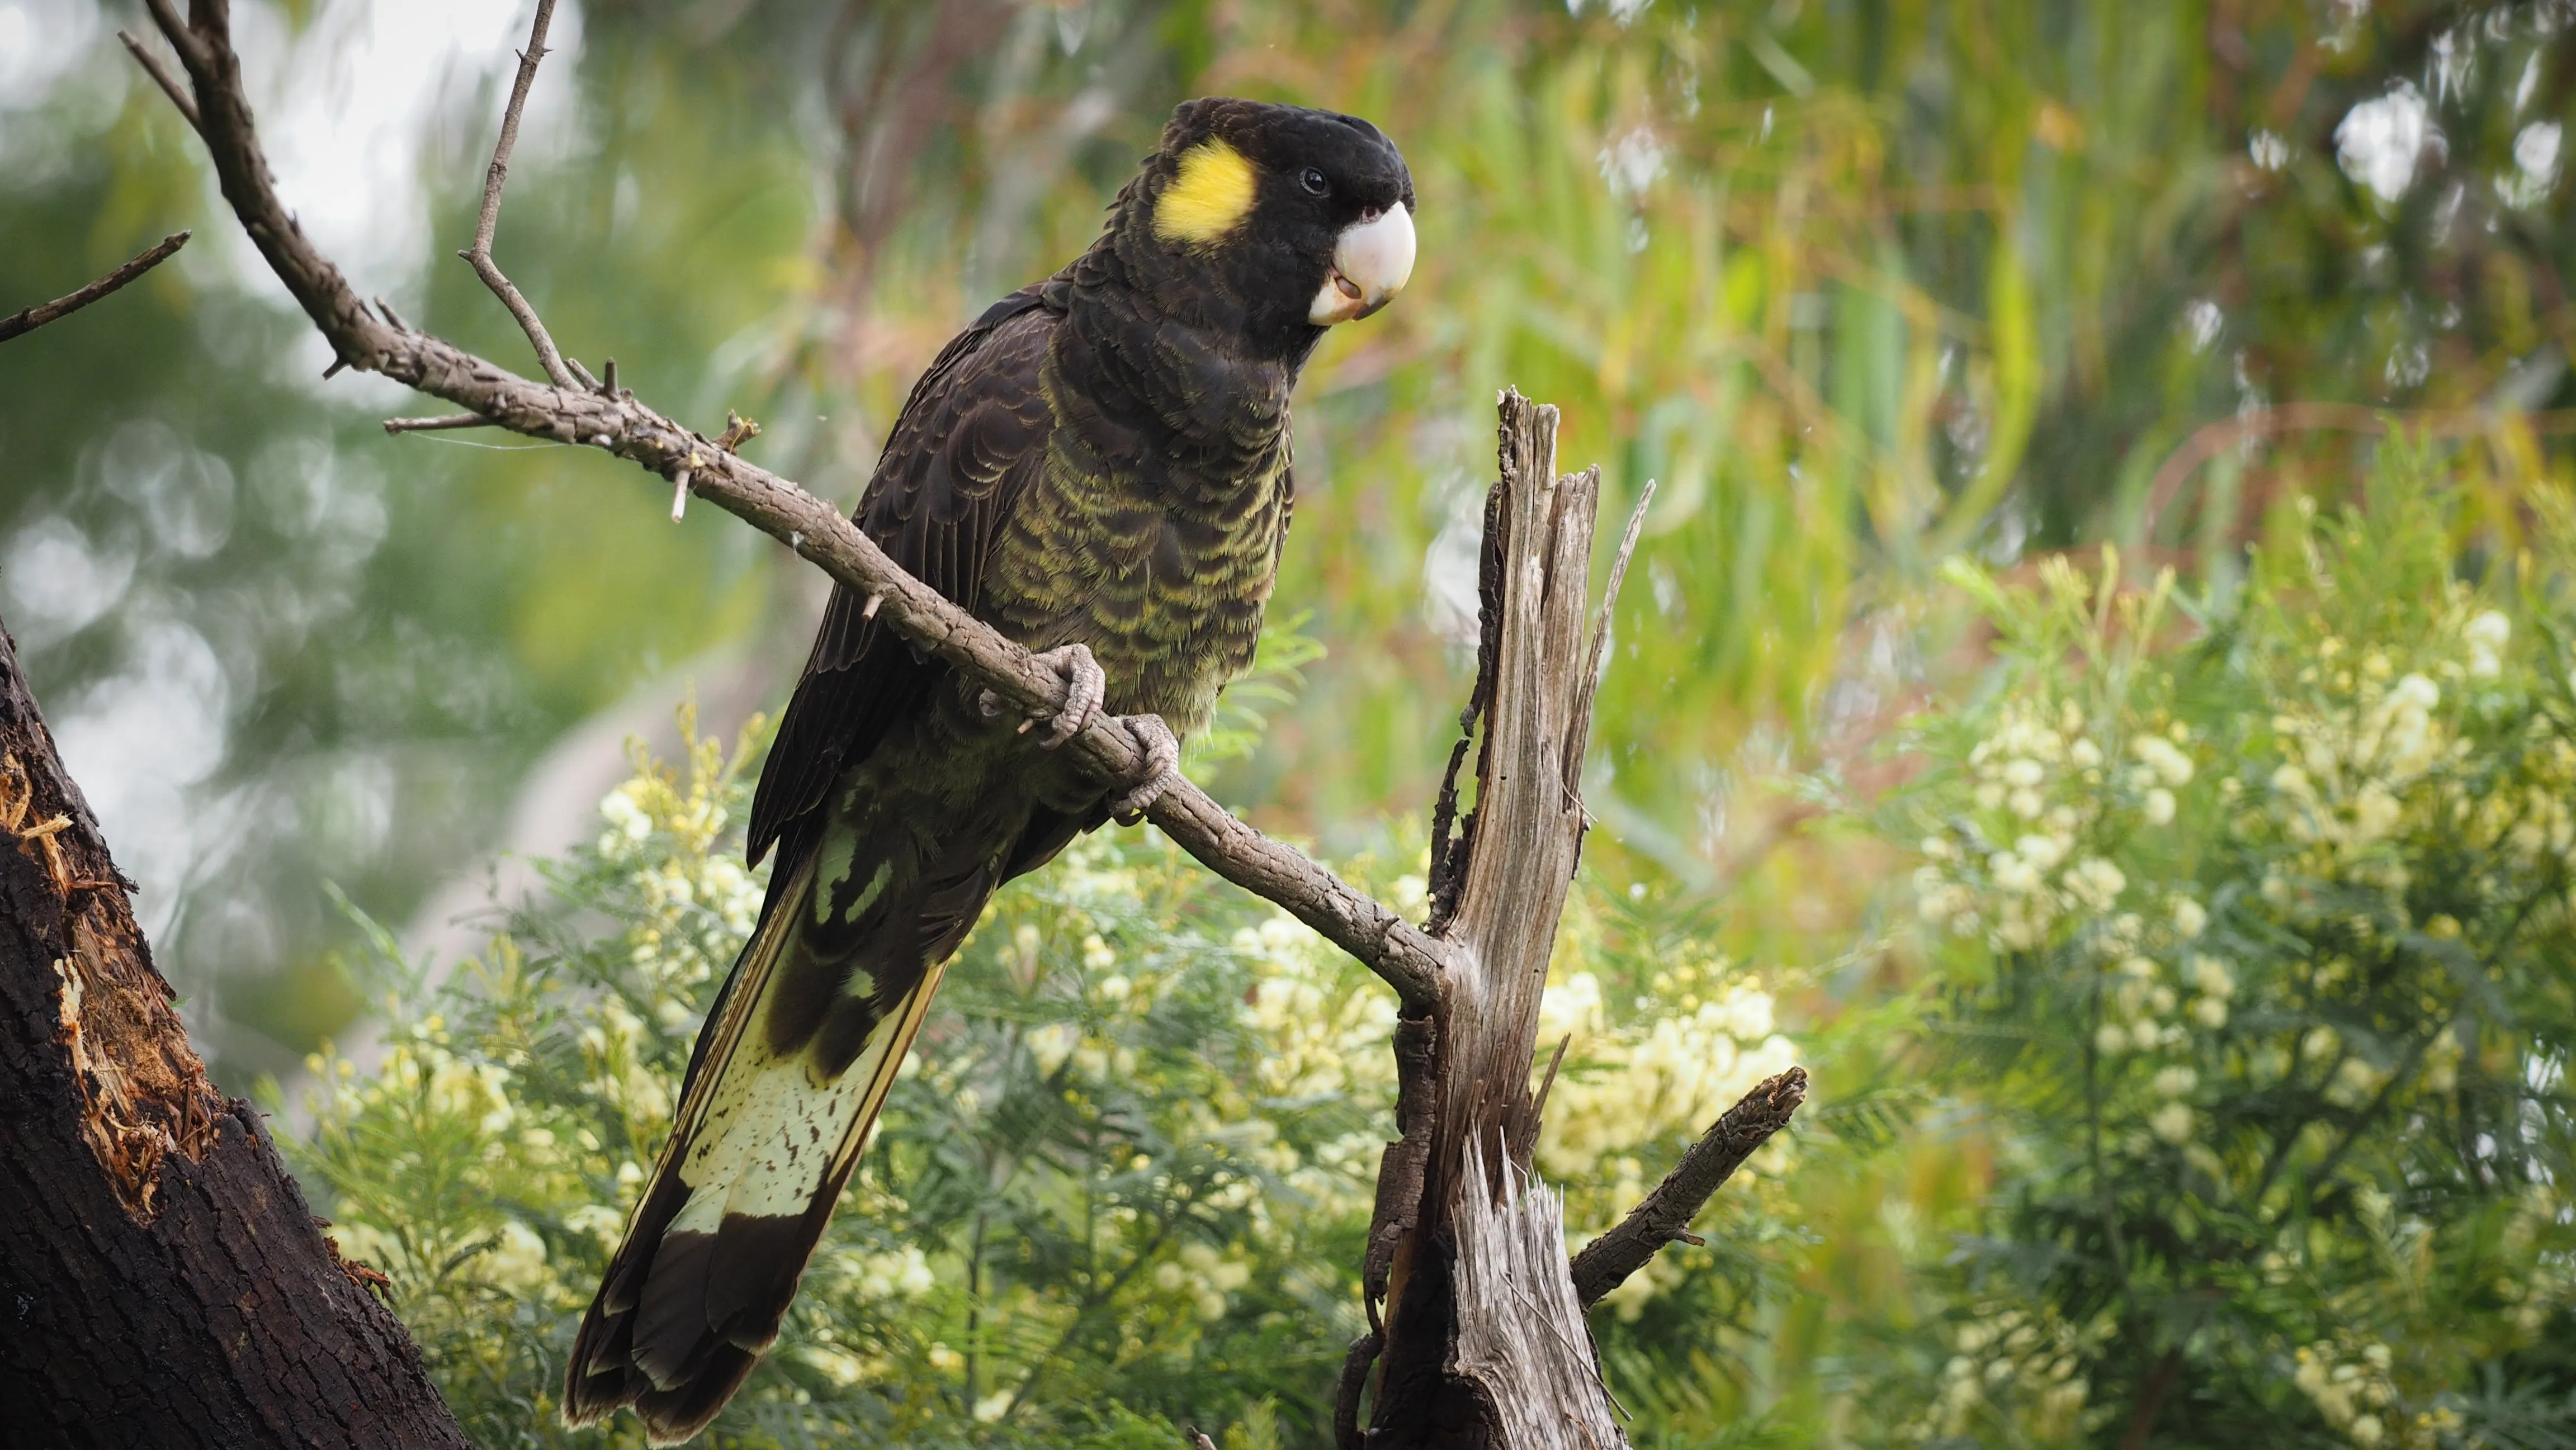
[1085, 686]
[1161, 772]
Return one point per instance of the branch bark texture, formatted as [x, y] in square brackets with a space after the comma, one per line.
[162, 1282]
[1664, 1216]
[29, 319]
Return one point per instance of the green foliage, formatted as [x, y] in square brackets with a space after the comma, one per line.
[1122, 1185]
[2251, 943]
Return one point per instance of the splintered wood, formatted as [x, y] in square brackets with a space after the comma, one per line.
[1527, 828]
[1520, 1332]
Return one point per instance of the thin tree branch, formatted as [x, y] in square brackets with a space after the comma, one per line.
[1410, 960]
[161, 77]
[165, 15]
[32, 318]
[1618, 576]
[430, 425]
[479, 256]
[1664, 1215]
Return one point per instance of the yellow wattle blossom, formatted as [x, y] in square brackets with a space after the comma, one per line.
[2339, 833]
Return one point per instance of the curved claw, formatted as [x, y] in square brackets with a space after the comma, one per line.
[1162, 767]
[1086, 685]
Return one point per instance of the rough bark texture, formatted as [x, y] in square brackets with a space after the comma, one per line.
[29, 319]
[1663, 1216]
[162, 1282]
[1485, 1344]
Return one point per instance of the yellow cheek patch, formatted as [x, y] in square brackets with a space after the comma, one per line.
[1209, 198]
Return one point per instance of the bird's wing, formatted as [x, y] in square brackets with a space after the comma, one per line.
[970, 436]
[767, 1131]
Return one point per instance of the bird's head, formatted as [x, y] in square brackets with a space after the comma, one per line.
[1302, 218]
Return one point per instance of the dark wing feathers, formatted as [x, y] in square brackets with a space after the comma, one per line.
[969, 438]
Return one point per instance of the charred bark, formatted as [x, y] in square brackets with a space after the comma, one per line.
[162, 1282]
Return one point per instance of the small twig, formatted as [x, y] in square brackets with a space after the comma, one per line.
[739, 430]
[37, 316]
[1538, 1107]
[182, 39]
[680, 497]
[444, 420]
[1619, 576]
[479, 256]
[1664, 1215]
[161, 77]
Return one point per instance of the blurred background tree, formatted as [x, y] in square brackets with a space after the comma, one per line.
[1869, 286]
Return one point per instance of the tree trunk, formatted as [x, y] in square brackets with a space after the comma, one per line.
[162, 1282]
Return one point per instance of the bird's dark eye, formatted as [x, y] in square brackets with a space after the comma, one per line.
[1314, 182]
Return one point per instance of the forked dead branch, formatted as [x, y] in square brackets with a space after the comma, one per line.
[1481, 1320]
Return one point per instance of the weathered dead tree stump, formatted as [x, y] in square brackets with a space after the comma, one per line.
[1482, 1342]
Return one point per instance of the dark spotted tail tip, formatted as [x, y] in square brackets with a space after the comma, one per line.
[678, 1347]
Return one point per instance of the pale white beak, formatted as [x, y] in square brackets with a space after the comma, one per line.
[1370, 265]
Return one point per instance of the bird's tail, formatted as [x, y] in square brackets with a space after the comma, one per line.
[790, 1074]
